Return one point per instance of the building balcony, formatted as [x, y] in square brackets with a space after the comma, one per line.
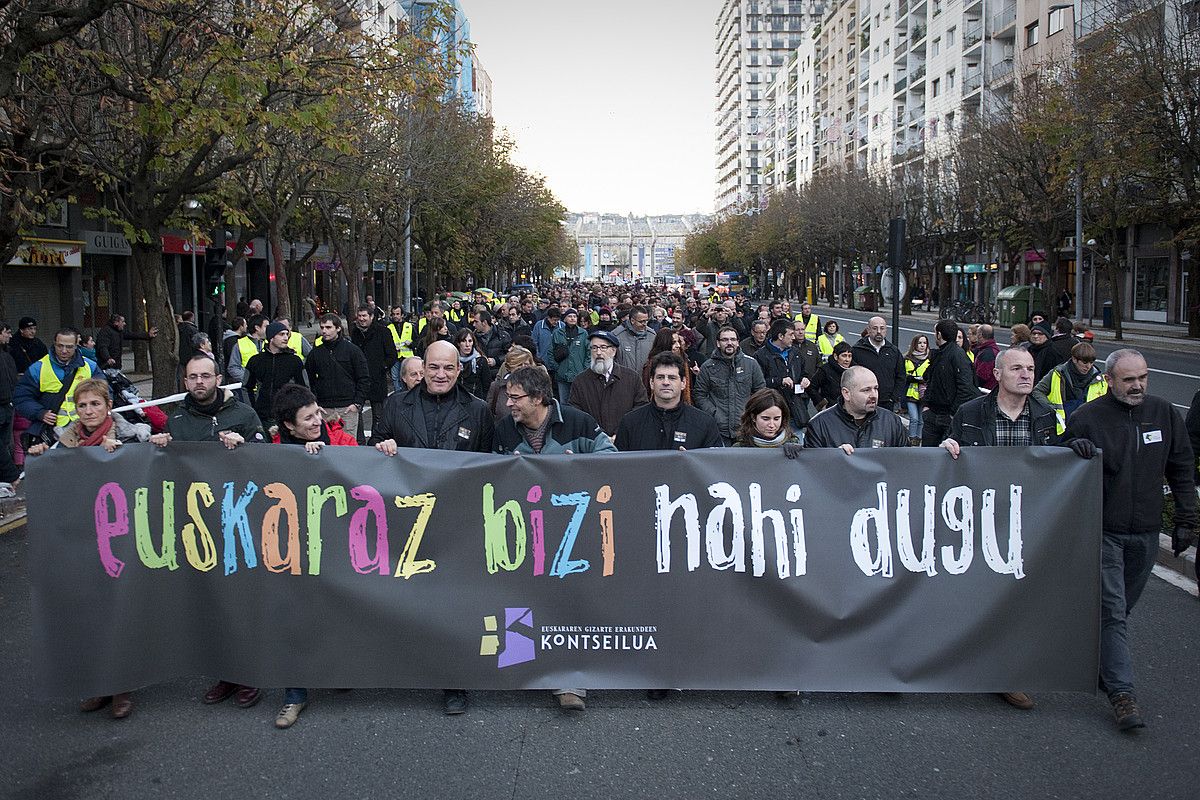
[900, 85]
[1004, 24]
[1002, 71]
[972, 82]
[918, 74]
[972, 35]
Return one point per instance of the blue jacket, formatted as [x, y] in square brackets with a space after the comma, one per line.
[542, 336]
[28, 398]
[570, 429]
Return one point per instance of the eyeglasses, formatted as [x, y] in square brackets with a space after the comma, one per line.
[597, 348]
[206, 376]
[512, 398]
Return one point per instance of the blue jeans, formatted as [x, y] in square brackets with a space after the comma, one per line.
[564, 391]
[914, 419]
[1127, 559]
[293, 696]
[394, 373]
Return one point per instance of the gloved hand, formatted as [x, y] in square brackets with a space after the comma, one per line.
[1083, 448]
[792, 449]
[1181, 539]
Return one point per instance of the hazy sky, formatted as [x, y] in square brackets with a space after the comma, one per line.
[610, 100]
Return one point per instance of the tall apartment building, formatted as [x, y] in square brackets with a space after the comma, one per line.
[754, 41]
[474, 90]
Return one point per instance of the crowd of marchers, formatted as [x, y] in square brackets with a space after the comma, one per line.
[574, 369]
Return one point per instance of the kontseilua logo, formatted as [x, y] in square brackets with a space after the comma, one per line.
[518, 648]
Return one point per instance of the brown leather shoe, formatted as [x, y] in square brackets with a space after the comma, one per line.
[94, 704]
[247, 696]
[122, 705]
[1019, 700]
[219, 692]
[569, 701]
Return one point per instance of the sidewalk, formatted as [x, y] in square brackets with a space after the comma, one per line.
[1135, 333]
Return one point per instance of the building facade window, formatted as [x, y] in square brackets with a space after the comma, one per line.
[1031, 34]
[1054, 23]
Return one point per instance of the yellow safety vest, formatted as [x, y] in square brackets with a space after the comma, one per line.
[402, 340]
[296, 344]
[49, 383]
[1097, 388]
[249, 347]
[455, 315]
[970, 354]
[826, 344]
[812, 326]
[914, 392]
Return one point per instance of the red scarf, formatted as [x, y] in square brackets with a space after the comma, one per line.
[97, 436]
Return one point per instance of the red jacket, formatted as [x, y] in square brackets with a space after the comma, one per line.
[337, 436]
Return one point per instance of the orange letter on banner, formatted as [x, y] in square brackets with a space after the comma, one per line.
[272, 559]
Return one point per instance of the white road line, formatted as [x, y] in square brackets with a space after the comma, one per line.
[928, 332]
[1175, 579]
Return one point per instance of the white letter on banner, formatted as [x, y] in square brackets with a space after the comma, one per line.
[965, 523]
[1014, 565]
[859, 535]
[758, 517]
[714, 529]
[664, 510]
[904, 543]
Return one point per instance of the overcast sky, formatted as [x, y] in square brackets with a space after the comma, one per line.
[611, 101]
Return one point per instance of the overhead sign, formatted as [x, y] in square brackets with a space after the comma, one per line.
[48, 253]
[109, 243]
[891, 570]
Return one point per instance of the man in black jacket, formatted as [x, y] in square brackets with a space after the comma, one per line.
[950, 379]
[110, 341]
[877, 354]
[375, 340]
[8, 381]
[725, 383]
[275, 366]
[437, 414]
[666, 422]
[856, 421]
[783, 369]
[26, 348]
[338, 374]
[1142, 439]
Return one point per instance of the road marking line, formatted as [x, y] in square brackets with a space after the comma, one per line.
[1175, 579]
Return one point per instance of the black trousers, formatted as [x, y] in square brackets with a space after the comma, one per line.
[935, 427]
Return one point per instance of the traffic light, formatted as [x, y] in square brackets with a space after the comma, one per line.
[215, 262]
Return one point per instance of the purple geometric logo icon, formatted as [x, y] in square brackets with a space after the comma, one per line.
[518, 648]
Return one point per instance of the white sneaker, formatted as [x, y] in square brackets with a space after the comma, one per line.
[288, 715]
[6, 490]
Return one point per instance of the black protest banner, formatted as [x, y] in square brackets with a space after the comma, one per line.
[884, 571]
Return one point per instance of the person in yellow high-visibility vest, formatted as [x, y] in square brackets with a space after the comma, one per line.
[916, 362]
[811, 322]
[1068, 386]
[402, 337]
[40, 396]
[829, 338]
[245, 349]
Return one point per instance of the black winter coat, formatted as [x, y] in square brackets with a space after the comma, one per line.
[338, 373]
[649, 427]
[265, 373]
[379, 349]
[974, 424]
[456, 420]
[888, 367]
[833, 427]
[1140, 445]
[775, 369]
[950, 379]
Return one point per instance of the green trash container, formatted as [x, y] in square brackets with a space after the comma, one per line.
[866, 298]
[1014, 304]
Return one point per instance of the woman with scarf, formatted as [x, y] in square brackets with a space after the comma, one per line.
[916, 361]
[98, 427]
[475, 376]
[765, 421]
[829, 338]
[301, 422]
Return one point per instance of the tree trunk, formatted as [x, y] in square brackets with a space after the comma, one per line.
[137, 315]
[164, 348]
[1193, 293]
[283, 300]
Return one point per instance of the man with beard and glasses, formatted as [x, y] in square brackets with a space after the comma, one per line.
[606, 390]
[212, 414]
[725, 383]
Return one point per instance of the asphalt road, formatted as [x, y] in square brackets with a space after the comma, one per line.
[1174, 365]
[377, 743]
